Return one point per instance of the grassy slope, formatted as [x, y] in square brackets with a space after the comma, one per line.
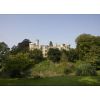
[53, 81]
[49, 69]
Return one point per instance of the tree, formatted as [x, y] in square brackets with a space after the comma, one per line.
[36, 55]
[24, 45]
[84, 43]
[97, 40]
[93, 56]
[3, 48]
[4, 52]
[17, 66]
[51, 44]
[72, 55]
[21, 47]
[88, 48]
[54, 54]
[14, 50]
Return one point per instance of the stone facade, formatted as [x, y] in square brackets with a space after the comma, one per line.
[45, 48]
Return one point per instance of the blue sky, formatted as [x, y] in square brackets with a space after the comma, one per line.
[57, 28]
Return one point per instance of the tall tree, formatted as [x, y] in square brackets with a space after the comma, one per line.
[93, 56]
[14, 50]
[84, 43]
[88, 48]
[4, 51]
[24, 45]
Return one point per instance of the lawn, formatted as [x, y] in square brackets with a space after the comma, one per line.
[54, 81]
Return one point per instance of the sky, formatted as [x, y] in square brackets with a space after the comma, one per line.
[57, 28]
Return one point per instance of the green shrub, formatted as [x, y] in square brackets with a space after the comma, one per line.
[85, 69]
[54, 54]
[69, 68]
[18, 66]
[49, 69]
[97, 68]
[36, 55]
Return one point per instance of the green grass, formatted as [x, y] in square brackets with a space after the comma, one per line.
[54, 81]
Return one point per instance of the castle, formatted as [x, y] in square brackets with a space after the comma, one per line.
[45, 48]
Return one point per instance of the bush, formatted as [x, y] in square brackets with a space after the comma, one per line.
[54, 54]
[69, 68]
[18, 66]
[85, 69]
[49, 69]
[97, 68]
[36, 56]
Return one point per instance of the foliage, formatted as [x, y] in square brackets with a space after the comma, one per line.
[70, 68]
[54, 54]
[49, 69]
[19, 61]
[93, 56]
[84, 43]
[88, 48]
[18, 65]
[24, 45]
[14, 50]
[4, 49]
[72, 55]
[4, 52]
[36, 55]
[21, 47]
[51, 44]
[85, 69]
[64, 56]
